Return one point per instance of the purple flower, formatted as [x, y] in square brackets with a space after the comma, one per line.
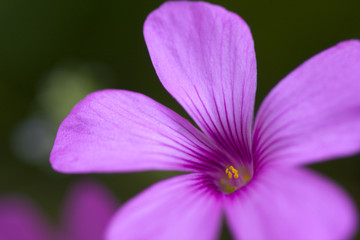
[86, 213]
[250, 171]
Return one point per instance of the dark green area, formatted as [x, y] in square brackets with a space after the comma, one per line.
[38, 36]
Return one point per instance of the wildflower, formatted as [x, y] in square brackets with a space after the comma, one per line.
[204, 56]
[87, 210]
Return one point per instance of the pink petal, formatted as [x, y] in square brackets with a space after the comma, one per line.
[204, 56]
[177, 209]
[295, 204]
[88, 209]
[114, 130]
[20, 220]
[314, 113]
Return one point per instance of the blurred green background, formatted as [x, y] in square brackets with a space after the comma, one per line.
[52, 53]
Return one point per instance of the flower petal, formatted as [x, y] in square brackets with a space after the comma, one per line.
[177, 208]
[114, 130]
[20, 220]
[293, 204]
[314, 113]
[88, 209]
[204, 56]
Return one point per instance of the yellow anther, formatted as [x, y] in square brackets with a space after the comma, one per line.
[235, 179]
[233, 169]
[232, 172]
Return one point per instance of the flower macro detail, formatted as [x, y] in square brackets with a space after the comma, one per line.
[234, 179]
[249, 169]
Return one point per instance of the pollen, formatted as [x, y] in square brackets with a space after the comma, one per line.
[232, 172]
[234, 178]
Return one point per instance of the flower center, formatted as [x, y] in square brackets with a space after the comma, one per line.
[231, 171]
[234, 179]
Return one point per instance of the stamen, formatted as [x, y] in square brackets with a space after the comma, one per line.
[235, 179]
[232, 172]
